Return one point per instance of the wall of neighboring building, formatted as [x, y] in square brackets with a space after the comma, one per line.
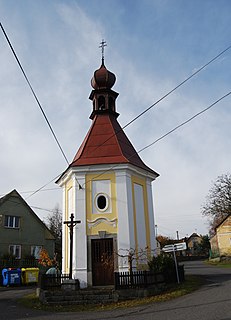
[224, 237]
[214, 247]
[29, 234]
[192, 243]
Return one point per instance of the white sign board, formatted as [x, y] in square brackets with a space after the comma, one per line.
[175, 247]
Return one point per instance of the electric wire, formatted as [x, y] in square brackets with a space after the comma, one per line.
[164, 96]
[48, 189]
[151, 144]
[17, 203]
[48, 210]
[39, 189]
[24, 192]
[185, 122]
[33, 92]
[178, 86]
[130, 122]
[36, 98]
[166, 134]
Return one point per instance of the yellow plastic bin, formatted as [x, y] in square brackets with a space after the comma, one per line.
[30, 275]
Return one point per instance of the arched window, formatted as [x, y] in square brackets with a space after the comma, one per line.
[101, 103]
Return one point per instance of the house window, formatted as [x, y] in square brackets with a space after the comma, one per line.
[12, 222]
[35, 251]
[15, 250]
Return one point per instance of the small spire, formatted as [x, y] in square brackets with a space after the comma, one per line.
[103, 44]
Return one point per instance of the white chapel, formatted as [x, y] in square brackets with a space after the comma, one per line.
[109, 189]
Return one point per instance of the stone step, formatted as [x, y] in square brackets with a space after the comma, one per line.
[83, 296]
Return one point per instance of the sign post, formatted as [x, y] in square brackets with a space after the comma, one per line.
[173, 248]
[71, 224]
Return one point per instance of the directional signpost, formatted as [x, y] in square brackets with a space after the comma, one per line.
[173, 248]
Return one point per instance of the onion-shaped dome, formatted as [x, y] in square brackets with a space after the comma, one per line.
[103, 79]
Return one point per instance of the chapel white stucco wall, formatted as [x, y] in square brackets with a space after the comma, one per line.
[80, 237]
[151, 217]
[125, 235]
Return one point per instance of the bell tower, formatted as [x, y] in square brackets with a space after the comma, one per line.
[102, 96]
[109, 188]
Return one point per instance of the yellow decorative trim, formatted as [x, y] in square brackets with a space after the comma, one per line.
[97, 221]
[102, 217]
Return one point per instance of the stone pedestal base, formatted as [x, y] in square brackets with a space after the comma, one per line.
[71, 284]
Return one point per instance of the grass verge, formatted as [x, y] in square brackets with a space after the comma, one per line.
[192, 283]
[223, 264]
[220, 264]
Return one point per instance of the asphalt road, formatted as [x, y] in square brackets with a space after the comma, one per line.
[211, 302]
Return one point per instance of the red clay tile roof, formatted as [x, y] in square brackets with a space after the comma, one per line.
[106, 143]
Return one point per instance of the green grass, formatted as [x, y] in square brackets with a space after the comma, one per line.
[192, 283]
[223, 264]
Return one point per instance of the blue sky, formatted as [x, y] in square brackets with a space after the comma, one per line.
[151, 47]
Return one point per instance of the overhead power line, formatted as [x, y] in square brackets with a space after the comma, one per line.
[17, 203]
[33, 92]
[178, 86]
[151, 144]
[130, 122]
[37, 100]
[164, 96]
[48, 189]
[39, 189]
[43, 190]
[48, 210]
[158, 101]
[185, 122]
[168, 133]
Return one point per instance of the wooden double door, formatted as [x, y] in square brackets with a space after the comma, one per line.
[102, 262]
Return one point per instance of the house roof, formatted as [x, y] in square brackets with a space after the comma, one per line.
[222, 221]
[14, 193]
[194, 235]
[106, 143]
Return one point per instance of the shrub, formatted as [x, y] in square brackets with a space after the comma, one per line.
[161, 263]
[165, 264]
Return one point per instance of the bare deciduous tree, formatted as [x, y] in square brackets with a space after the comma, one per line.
[131, 256]
[218, 201]
[54, 223]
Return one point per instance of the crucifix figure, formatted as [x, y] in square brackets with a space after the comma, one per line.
[103, 44]
[71, 224]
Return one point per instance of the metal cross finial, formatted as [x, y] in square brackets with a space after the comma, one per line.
[103, 44]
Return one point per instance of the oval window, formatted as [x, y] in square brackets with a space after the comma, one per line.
[101, 202]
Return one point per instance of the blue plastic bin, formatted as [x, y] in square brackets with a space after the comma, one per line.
[11, 277]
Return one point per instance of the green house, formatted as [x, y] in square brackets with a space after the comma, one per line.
[22, 233]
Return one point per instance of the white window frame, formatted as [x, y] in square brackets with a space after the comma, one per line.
[35, 251]
[106, 200]
[15, 250]
[12, 222]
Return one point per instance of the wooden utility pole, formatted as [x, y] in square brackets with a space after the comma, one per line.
[71, 224]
